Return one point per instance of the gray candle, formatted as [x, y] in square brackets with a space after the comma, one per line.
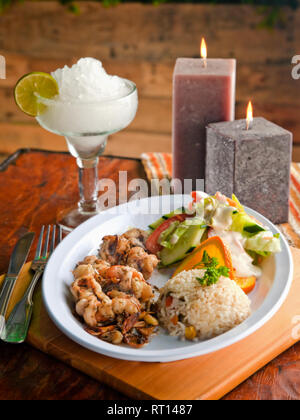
[252, 163]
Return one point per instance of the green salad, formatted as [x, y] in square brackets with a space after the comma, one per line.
[175, 235]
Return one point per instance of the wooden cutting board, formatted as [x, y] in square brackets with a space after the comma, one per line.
[204, 377]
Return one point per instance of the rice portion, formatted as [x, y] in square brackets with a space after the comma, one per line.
[211, 310]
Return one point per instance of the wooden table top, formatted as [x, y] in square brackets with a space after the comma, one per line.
[35, 185]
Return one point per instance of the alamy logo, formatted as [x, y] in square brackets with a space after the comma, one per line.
[296, 329]
[296, 68]
[2, 67]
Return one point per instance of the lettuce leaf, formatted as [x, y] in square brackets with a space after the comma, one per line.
[263, 243]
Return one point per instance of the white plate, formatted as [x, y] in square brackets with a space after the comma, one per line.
[270, 292]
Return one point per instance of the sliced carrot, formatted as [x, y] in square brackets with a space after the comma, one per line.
[232, 203]
[247, 284]
[214, 247]
[174, 320]
[169, 301]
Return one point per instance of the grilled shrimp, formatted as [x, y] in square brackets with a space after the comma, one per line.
[101, 267]
[80, 292]
[129, 249]
[80, 287]
[84, 286]
[129, 305]
[111, 292]
[142, 261]
[128, 279]
[96, 311]
[123, 273]
[136, 237]
[90, 259]
[83, 271]
[114, 249]
[81, 305]
[96, 307]
[90, 311]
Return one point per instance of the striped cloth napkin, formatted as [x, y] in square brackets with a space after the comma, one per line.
[159, 166]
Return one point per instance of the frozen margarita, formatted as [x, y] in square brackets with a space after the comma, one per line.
[90, 101]
[84, 104]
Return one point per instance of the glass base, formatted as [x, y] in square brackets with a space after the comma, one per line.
[70, 219]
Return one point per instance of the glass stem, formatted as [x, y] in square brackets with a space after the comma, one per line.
[88, 179]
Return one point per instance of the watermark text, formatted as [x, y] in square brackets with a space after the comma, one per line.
[136, 189]
[2, 67]
[296, 328]
[296, 68]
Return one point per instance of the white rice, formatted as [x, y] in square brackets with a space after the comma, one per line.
[212, 310]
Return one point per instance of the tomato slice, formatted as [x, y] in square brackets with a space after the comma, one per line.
[196, 196]
[152, 242]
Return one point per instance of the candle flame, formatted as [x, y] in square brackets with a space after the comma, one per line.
[249, 117]
[203, 49]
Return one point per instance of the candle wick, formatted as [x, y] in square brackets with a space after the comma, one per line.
[248, 124]
[204, 62]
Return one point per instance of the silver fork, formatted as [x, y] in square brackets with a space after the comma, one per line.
[18, 322]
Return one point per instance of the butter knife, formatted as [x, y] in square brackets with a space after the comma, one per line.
[17, 260]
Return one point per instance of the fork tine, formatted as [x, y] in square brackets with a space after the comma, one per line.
[39, 246]
[53, 240]
[46, 244]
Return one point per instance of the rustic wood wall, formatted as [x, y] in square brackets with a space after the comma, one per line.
[141, 42]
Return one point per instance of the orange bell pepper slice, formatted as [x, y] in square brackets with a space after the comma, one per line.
[214, 247]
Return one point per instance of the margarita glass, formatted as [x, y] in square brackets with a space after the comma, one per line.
[86, 126]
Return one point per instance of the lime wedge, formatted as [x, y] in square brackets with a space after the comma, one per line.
[30, 87]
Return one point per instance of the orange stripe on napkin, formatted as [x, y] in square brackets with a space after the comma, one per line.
[290, 235]
[295, 182]
[169, 162]
[295, 198]
[294, 211]
[157, 165]
[295, 176]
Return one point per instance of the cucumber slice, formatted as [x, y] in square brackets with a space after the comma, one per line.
[165, 235]
[158, 222]
[245, 224]
[183, 247]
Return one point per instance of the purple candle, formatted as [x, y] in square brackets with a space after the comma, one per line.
[203, 92]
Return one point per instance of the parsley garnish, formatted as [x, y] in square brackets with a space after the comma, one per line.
[213, 272]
